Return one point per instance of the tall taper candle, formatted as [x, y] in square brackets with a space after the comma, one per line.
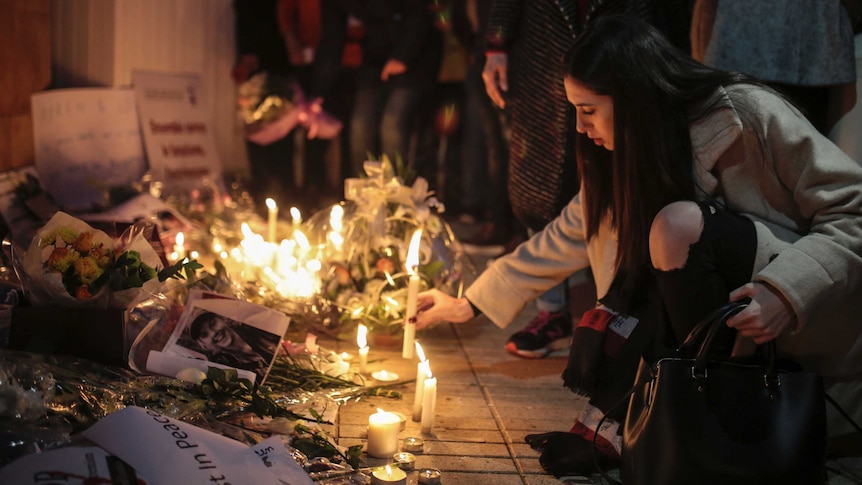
[362, 342]
[272, 220]
[429, 401]
[421, 375]
[412, 264]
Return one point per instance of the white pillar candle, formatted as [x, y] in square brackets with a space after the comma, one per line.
[362, 342]
[429, 401]
[383, 430]
[180, 246]
[412, 264]
[272, 220]
[421, 375]
[388, 476]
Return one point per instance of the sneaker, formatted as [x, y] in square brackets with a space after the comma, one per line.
[548, 332]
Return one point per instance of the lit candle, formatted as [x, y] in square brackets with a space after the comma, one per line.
[362, 342]
[272, 211]
[429, 401]
[384, 375]
[295, 218]
[412, 291]
[421, 375]
[383, 430]
[180, 246]
[388, 476]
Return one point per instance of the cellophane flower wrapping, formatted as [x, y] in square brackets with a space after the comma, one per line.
[71, 264]
[365, 241]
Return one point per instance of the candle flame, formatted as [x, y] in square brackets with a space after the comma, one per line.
[180, 239]
[413, 252]
[420, 353]
[271, 205]
[388, 471]
[295, 215]
[426, 364]
[362, 336]
[246, 230]
[301, 239]
[380, 411]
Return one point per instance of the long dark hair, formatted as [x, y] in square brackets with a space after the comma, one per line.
[658, 91]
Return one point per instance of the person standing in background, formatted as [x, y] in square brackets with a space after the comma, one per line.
[802, 48]
[400, 59]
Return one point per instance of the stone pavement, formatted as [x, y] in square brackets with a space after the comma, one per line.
[487, 401]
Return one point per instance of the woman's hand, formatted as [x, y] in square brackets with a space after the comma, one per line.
[766, 317]
[436, 306]
[495, 75]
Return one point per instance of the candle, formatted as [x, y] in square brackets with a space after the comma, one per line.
[429, 401]
[388, 476]
[295, 218]
[412, 290]
[311, 343]
[384, 375]
[383, 430]
[421, 375]
[272, 211]
[180, 246]
[403, 460]
[413, 444]
[362, 342]
[429, 476]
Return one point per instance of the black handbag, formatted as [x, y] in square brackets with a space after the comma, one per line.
[697, 418]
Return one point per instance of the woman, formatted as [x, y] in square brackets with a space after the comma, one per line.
[699, 186]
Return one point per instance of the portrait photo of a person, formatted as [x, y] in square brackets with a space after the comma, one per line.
[227, 341]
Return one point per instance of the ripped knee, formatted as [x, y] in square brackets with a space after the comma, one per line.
[675, 228]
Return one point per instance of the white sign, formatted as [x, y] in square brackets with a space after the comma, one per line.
[86, 141]
[174, 117]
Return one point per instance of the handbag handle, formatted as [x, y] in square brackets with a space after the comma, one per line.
[712, 325]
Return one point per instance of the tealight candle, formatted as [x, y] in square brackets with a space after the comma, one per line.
[384, 375]
[429, 476]
[345, 357]
[405, 461]
[383, 430]
[388, 476]
[413, 444]
[412, 264]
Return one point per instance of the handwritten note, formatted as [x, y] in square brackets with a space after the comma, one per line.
[177, 130]
[87, 141]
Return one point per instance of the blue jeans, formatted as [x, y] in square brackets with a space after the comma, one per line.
[382, 120]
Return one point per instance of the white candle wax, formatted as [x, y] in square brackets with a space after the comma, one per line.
[421, 375]
[362, 342]
[363, 359]
[412, 292]
[388, 476]
[272, 220]
[180, 246]
[383, 430]
[429, 402]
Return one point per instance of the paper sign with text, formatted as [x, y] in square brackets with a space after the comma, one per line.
[178, 136]
[86, 142]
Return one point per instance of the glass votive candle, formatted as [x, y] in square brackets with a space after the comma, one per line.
[405, 461]
[430, 476]
[413, 445]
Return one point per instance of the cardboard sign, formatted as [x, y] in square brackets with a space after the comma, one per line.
[87, 141]
[174, 118]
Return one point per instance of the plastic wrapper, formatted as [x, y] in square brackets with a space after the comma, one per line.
[364, 243]
[71, 264]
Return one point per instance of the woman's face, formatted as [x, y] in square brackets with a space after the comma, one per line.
[218, 335]
[594, 112]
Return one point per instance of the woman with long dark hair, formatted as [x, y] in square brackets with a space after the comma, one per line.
[699, 187]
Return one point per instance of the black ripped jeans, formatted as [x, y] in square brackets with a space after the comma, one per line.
[720, 262]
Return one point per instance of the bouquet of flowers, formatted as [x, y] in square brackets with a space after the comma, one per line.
[71, 264]
[272, 106]
[365, 272]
